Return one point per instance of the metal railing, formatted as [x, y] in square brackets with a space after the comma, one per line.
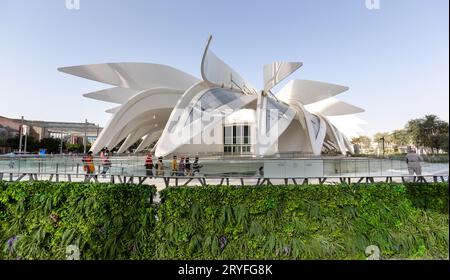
[227, 167]
[194, 180]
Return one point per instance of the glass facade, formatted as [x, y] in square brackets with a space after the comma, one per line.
[211, 100]
[316, 124]
[237, 139]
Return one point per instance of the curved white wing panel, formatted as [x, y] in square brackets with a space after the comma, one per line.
[273, 118]
[337, 136]
[175, 120]
[183, 125]
[277, 71]
[148, 139]
[138, 76]
[218, 73]
[348, 145]
[334, 107]
[144, 101]
[114, 95]
[316, 132]
[146, 120]
[308, 92]
[133, 137]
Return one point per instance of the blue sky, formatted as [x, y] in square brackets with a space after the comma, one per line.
[395, 60]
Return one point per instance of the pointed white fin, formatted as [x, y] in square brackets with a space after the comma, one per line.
[218, 73]
[113, 110]
[138, 76]
[277, 71]
[334, 107]
[349, 125]
[114, 95]
[308, 92]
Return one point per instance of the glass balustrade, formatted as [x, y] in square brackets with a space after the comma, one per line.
[227, 167]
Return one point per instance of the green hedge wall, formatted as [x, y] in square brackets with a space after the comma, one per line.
[104, 221]
[304, 222]
[406, 221]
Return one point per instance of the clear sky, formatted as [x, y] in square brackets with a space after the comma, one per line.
[395, 59]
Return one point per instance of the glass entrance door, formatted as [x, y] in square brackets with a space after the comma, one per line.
[236, 139]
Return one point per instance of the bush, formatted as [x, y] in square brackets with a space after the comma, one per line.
[39, 220]
[303, 222]
[429, 196]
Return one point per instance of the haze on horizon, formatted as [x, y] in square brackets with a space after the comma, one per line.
[395, 60]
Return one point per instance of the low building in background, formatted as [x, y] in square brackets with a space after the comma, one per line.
[71, 133]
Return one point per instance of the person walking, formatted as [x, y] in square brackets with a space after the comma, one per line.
[413, 161]
[196, 166]
[12, 163]
[174, 166]
[106, 163]
[88, 165]
[260, 174]
[160, 165]
[187, 168]
[181, 167]
[149, 165]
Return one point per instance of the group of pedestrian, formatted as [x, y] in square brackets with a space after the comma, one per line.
[185, 168]
[159, 166]
[88, 162]
[182, 168]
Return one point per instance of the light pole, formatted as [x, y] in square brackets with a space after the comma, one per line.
[26, 139]
[61, 146]
[85, 136]
[20, 135]
[382, 143]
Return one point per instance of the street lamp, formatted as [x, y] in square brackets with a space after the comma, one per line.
[26, 138]
[85, 136]
[382, 141]
[61, 145]
[20, 135]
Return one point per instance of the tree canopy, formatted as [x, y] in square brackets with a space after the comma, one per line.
[429, 131]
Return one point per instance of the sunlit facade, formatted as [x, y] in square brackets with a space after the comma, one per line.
[220, 113]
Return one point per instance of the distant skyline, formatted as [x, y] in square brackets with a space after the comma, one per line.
[394, 59]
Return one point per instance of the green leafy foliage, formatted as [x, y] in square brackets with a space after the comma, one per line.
[38, 220]
[303, 222]
[104, 221]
